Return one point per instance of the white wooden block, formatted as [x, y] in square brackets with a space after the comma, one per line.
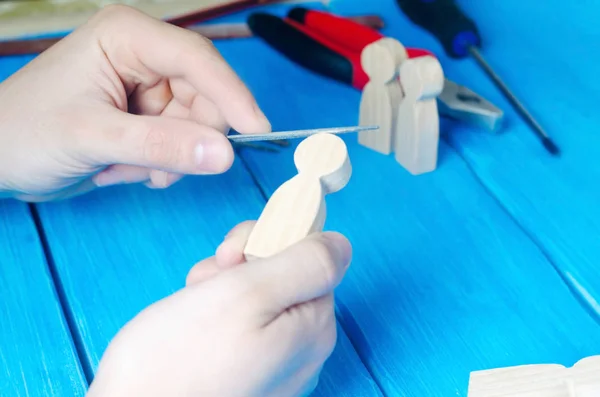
[417, 125]
[297, 208]
[381, 96]
[543, 380]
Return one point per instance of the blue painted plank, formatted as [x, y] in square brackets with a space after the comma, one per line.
[545, 55]
[443, 282]
[37, 356]
[552, 68]
[121, 249]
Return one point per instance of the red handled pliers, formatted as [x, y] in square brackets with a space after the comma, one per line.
[322, 42]
[331, 46]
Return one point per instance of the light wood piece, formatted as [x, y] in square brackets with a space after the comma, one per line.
[544, 380]
[213, 31]
[20, 18]
[381, 96]
[417, 125]
[297, 208]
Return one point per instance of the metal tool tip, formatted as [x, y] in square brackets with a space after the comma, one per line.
[551, 146]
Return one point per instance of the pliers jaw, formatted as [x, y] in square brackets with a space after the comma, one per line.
[461, 103]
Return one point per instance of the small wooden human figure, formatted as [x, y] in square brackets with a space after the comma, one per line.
[297, 208]
[381, 96]
[543, 380]
[417, 125]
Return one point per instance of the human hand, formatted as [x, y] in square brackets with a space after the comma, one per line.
[125, 98]
[261, 328]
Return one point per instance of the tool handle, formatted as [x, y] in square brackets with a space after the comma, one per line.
[446, 21]
[344, 31]
[308, 49]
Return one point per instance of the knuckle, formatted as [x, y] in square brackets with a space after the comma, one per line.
[196, 48]
[158, 146]
[112, 14]
[325, 261]
[112, 10]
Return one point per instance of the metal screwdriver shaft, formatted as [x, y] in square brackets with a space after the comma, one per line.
[537, 128]
[460, 38]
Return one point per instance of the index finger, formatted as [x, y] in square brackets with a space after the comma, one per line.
[149, 46]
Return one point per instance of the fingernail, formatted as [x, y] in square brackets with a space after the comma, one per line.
[342, 246]
[159, 179]
[214, 156]
[199, 153]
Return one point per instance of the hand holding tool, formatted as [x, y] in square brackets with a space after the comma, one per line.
[460, 37]
[331, 46]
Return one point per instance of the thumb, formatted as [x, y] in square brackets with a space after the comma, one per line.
[306, 271]
[159, 142]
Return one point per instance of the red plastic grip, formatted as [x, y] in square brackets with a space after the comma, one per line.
[359, 77]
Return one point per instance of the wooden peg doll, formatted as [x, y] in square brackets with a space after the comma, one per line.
[297, 208]
[417, 124]
[381, 96]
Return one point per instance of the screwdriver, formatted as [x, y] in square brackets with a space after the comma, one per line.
[460, 37]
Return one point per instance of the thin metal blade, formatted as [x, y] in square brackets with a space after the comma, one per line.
[274, 136]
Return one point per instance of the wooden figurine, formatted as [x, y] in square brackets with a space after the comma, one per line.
[381, 96]
[544, 380]
[417, 125]
[297, 208]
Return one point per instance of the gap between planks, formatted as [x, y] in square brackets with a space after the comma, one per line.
[589, 305]
[76, 337]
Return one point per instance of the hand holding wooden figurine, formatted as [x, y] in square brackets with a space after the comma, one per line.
[297, 208]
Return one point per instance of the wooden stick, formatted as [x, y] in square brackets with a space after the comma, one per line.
[217, 11]
[53, 17]
[213, 32]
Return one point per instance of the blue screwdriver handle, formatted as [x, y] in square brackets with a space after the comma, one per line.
[446, 21]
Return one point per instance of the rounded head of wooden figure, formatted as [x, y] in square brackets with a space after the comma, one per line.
[422, 77]
[380, 59]
[326, 157]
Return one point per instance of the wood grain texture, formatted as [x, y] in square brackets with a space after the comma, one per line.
[37, 356]
[539, 380]
[443, 281]
[555, 200]
[119, 250]
[381, 96]
[417, 127]
[25, 18]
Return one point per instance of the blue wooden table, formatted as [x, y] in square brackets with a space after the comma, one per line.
[492, 260]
